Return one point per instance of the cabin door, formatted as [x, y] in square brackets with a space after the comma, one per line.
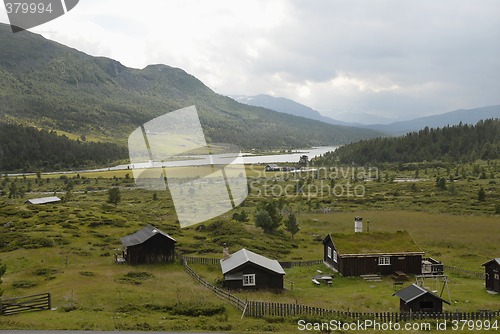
[400, 264]
[496, 281]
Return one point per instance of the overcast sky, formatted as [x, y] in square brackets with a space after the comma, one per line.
[392, 58]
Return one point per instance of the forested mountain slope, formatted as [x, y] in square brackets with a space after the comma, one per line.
[28, 149]
[462, 142]
[51, 86]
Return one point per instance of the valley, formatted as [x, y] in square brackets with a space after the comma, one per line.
[65, 247]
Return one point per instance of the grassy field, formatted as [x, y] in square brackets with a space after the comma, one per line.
[67, 248]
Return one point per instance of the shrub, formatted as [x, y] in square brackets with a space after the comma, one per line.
[44, 272]
[68, 308]
[142, 275]
[38, 243]
[128, 308]
[23, 284]
[198, 310]
[135, 277]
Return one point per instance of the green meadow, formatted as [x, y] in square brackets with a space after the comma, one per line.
[68, 248]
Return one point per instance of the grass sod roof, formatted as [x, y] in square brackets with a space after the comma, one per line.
[375, 243]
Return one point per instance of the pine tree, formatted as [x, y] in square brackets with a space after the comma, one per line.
[292, 225]
[264, 221]
[114, 196]
[481, 195]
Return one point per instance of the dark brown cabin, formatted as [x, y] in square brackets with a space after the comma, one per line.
[147, 246]
[492, 275]
[248, 270]
[417, 299]
[372, 253]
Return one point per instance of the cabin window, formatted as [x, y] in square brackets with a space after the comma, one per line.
[384, 260]
[496, 276]
[335, 258]
[249, 280]
[329, 252]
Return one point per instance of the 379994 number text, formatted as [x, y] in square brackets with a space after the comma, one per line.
[25, 8]
[475, 325]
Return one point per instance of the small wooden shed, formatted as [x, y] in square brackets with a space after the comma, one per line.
[357, 254]
[492, 275]
[414, 298]
[248, 270]
[147, 246]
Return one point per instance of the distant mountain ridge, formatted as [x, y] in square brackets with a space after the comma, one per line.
[466, 116]
[287, 106]
[54, 87]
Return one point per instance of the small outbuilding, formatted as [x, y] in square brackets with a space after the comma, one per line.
[44, 200]
[414, 298]
[381, 253]
[147, 246]
[248, 270]
[492, 275]
[272, 168]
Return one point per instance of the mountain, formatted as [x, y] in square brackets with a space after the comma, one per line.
[360, 118]
[48, 85]
[456, 143]
[465, 116]
[287, 106]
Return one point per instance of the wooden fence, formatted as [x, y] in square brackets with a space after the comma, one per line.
[37, 302]
[240, 304]
[284, 264]
[267, 309]
[290, 264]
[474, 274]
[200, 260]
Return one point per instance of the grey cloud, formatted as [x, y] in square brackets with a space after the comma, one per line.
[454, 43]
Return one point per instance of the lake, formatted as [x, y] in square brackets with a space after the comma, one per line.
[246, 158]
[235, 158]
[288, 157]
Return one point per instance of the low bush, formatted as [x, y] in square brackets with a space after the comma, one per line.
[23, 284]
[193, 310]
[45, 272]
[142, 275]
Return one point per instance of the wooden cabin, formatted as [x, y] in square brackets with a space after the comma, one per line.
[380, 253]
[147, 246]
[414, 298]
[492, 275]
[272, 168]
[248, 270]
